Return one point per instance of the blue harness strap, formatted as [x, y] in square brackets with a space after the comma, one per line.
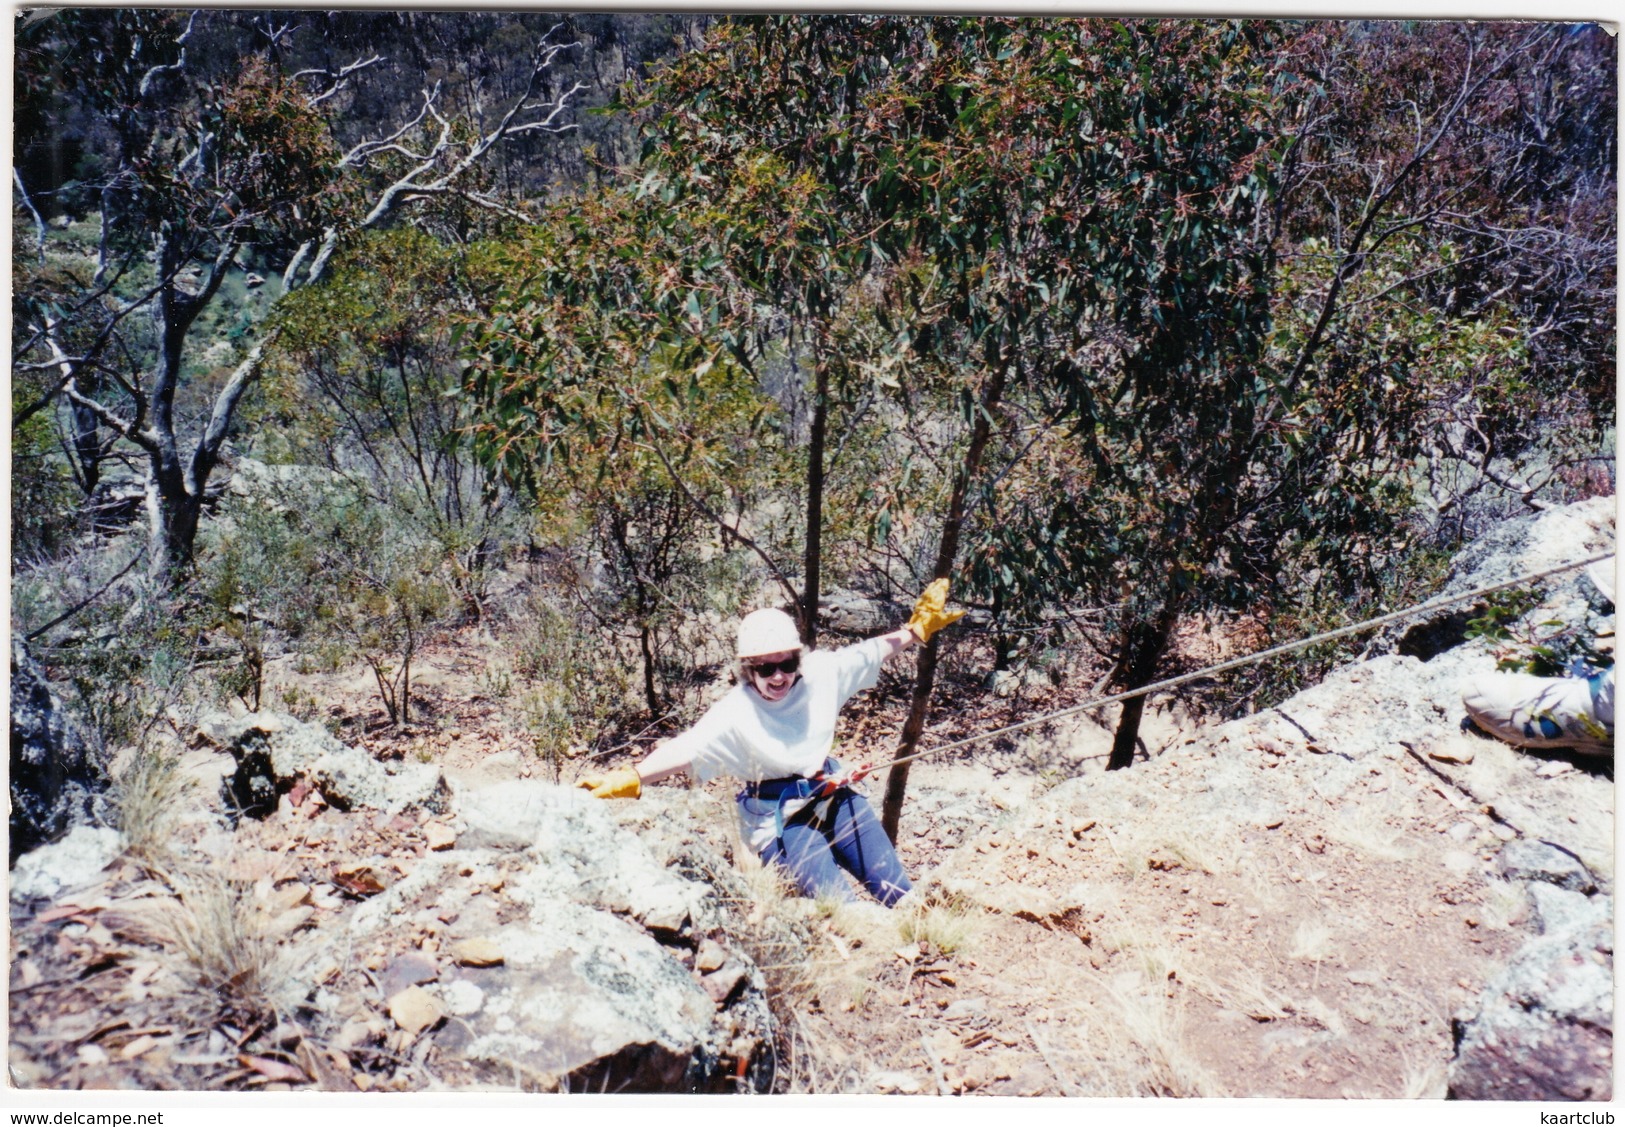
[780, 791]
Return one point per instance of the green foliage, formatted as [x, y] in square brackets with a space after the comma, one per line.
[336, 571]
[370, 382]
[1545, 647]
[622, 431]
[44, 501]
[122, 659]
[575, 689]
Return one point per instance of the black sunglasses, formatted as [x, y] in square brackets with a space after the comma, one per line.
[768, 668]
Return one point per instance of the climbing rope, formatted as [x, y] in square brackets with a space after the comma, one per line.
[1261, 655]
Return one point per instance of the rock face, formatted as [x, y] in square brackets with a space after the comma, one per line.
[849, 613]
[1543, 1029]
[274, 751]
[53, 779]
[582, 981]
[1515, 548]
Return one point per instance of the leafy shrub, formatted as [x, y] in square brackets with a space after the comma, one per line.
[341, 573]
[577, 687]
[1545, 647]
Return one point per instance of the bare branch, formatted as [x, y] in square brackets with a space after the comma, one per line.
[122, 426]
[1356, 251]
[207, 454]
[168, 68]
[39, 222]
[361, 151]
[727, 529]
[338, 80]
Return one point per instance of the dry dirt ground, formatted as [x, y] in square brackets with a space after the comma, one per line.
[1074, 933]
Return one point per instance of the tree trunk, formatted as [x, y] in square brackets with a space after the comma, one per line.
[815, 506]
[925, 669]
[173, 514]
[651, 695]
[1147, 642]
[87, 446]
[173, 501]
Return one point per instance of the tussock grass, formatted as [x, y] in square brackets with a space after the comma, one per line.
[1194, 849]
[1131, 1043]
[1326, 1017]
[1245, 991]
[779, 930]
[1504, 903]
[148, 795]
[944, 922]
[1424, 1080]
[215, 940]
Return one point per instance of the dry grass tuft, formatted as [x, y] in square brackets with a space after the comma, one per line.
[148, 795]
[1245, 991]
[1505, 904]
[944, 922]
[1312, 941]
[1131, 1043]
[1425, 1080]
[1323, 1015]
[1372, 831]
[215, 938]
[780, 931]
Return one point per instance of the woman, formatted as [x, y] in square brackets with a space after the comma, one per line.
[774, 730]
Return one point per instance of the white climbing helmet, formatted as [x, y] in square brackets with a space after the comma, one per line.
[767, 632]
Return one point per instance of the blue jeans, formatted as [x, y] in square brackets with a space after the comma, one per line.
[849, 837]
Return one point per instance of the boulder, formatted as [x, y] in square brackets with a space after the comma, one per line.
[1543, 861]
[589, 859]
[586, 986]
[586, 1001]
[274, 751]
[1543, 1029]
[54, 779]
[849, 613]
[1557, 909]
[73, 862]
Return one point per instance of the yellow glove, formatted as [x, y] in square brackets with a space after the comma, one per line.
[929, 613]
[623, 782]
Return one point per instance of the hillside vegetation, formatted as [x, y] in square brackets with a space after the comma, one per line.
[452, 381]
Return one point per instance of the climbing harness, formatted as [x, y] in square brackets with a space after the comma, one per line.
[821, 785]
[1261, 655]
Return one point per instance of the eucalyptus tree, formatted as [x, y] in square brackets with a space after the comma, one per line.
[1471, 167]
[606, 399]
[208, 164]
[778, 193]
[1079, 227]
[367, 382]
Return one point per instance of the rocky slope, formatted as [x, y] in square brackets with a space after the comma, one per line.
[1347, 895]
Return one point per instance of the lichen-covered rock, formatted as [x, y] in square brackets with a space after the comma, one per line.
[53, 777]
[1514, 548]
[847, 612]
[588, 1001]
[592, 991]
[273, 751]
[1544, 1028]
[589, 858]
[1542, 861]
[71, 863]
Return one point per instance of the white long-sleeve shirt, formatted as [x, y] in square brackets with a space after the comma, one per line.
[753, 739]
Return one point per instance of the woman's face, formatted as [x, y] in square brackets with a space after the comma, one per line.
[773, 675]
